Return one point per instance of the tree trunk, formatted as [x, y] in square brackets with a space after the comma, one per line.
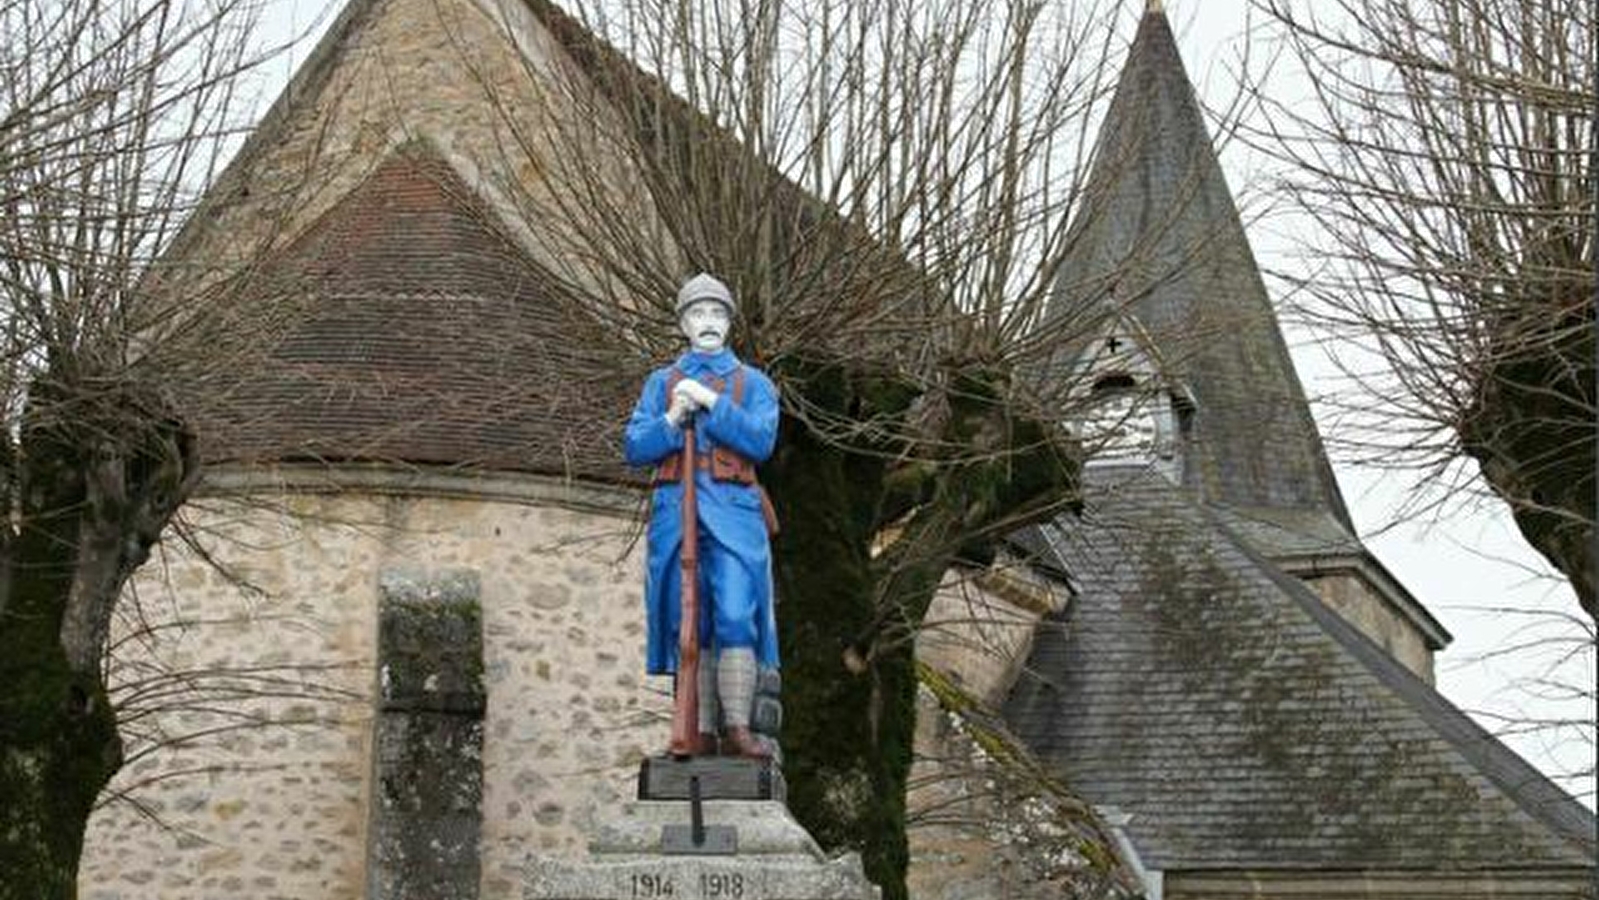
[1532, 430]
[847, 620]
[58, 737]
[98, 472]
[58, 748]
[844, 760]
[1554, 514]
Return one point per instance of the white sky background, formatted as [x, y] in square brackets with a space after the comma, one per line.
[1465, 561]
[1463, 558]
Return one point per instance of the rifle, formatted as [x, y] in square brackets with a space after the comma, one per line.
[686, 699]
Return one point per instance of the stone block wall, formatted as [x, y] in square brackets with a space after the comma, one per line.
[979, 628]
[427, 808]
[1351, 597]
[280, 807]
[244, 695]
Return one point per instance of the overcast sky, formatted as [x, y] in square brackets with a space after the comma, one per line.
[1467, 563]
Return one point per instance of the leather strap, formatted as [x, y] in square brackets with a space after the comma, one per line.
[722, 463]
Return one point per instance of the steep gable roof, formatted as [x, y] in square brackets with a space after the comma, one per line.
[1190, 682]
[1243, 724]
[410, 321]
[364, 266]
[1159, 234]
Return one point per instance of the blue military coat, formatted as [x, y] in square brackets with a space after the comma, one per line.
[735, 558]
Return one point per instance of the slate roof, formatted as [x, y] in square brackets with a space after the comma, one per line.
[1279, 532]
[1159, 240]
[1243, 724]
[1311, 541]
[1190, 681]
[402, 326]
[1159, 236]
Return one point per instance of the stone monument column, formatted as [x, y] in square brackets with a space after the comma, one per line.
[702, 828]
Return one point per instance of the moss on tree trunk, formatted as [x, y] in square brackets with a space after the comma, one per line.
[58, 738]
[1531, 429]
[96, 475]
[843, 781]
[58, 748]
[847, 619]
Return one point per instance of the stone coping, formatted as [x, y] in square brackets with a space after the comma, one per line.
[421, 481]
[765, 828]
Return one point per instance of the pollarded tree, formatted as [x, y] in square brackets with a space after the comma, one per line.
[887, 186]
[112, 117]
[1447, 164]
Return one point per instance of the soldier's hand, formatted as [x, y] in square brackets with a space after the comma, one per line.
[702, 396]
[681, 409]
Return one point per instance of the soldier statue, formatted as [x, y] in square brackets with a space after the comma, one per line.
[710, 407]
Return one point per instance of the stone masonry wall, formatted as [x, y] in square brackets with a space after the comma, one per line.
[979, 628]
[281, 810]
[1350, 597]
[427, 795]
[246, 711]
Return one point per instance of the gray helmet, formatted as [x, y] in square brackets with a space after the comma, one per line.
[705, 287]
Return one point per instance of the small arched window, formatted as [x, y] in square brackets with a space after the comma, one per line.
[1119, 424]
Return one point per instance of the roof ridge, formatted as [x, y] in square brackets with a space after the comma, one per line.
[305, 84]
[419, 154]
[1186, 657]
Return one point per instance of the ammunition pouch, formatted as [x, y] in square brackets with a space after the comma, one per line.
[722, 463]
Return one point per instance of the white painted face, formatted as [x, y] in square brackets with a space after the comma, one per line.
[705, 323]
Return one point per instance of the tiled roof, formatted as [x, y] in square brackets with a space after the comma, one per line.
[429, 338]
[407, 328]
[1245, 725]
[1190, 682]
[1159, 236]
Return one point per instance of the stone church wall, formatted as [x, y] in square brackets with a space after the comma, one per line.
[984, 819]
[1351, 597]
[280, 808]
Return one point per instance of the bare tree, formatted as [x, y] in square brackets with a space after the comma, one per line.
[113, 117]
[1550, 705]
[1446, 165]
[887, 186]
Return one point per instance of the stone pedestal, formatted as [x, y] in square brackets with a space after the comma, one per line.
[640, 854]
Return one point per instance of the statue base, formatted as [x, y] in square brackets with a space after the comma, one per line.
[633, 857]
[720, 778]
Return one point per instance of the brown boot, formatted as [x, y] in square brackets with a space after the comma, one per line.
[702, 744]
[742, 742]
